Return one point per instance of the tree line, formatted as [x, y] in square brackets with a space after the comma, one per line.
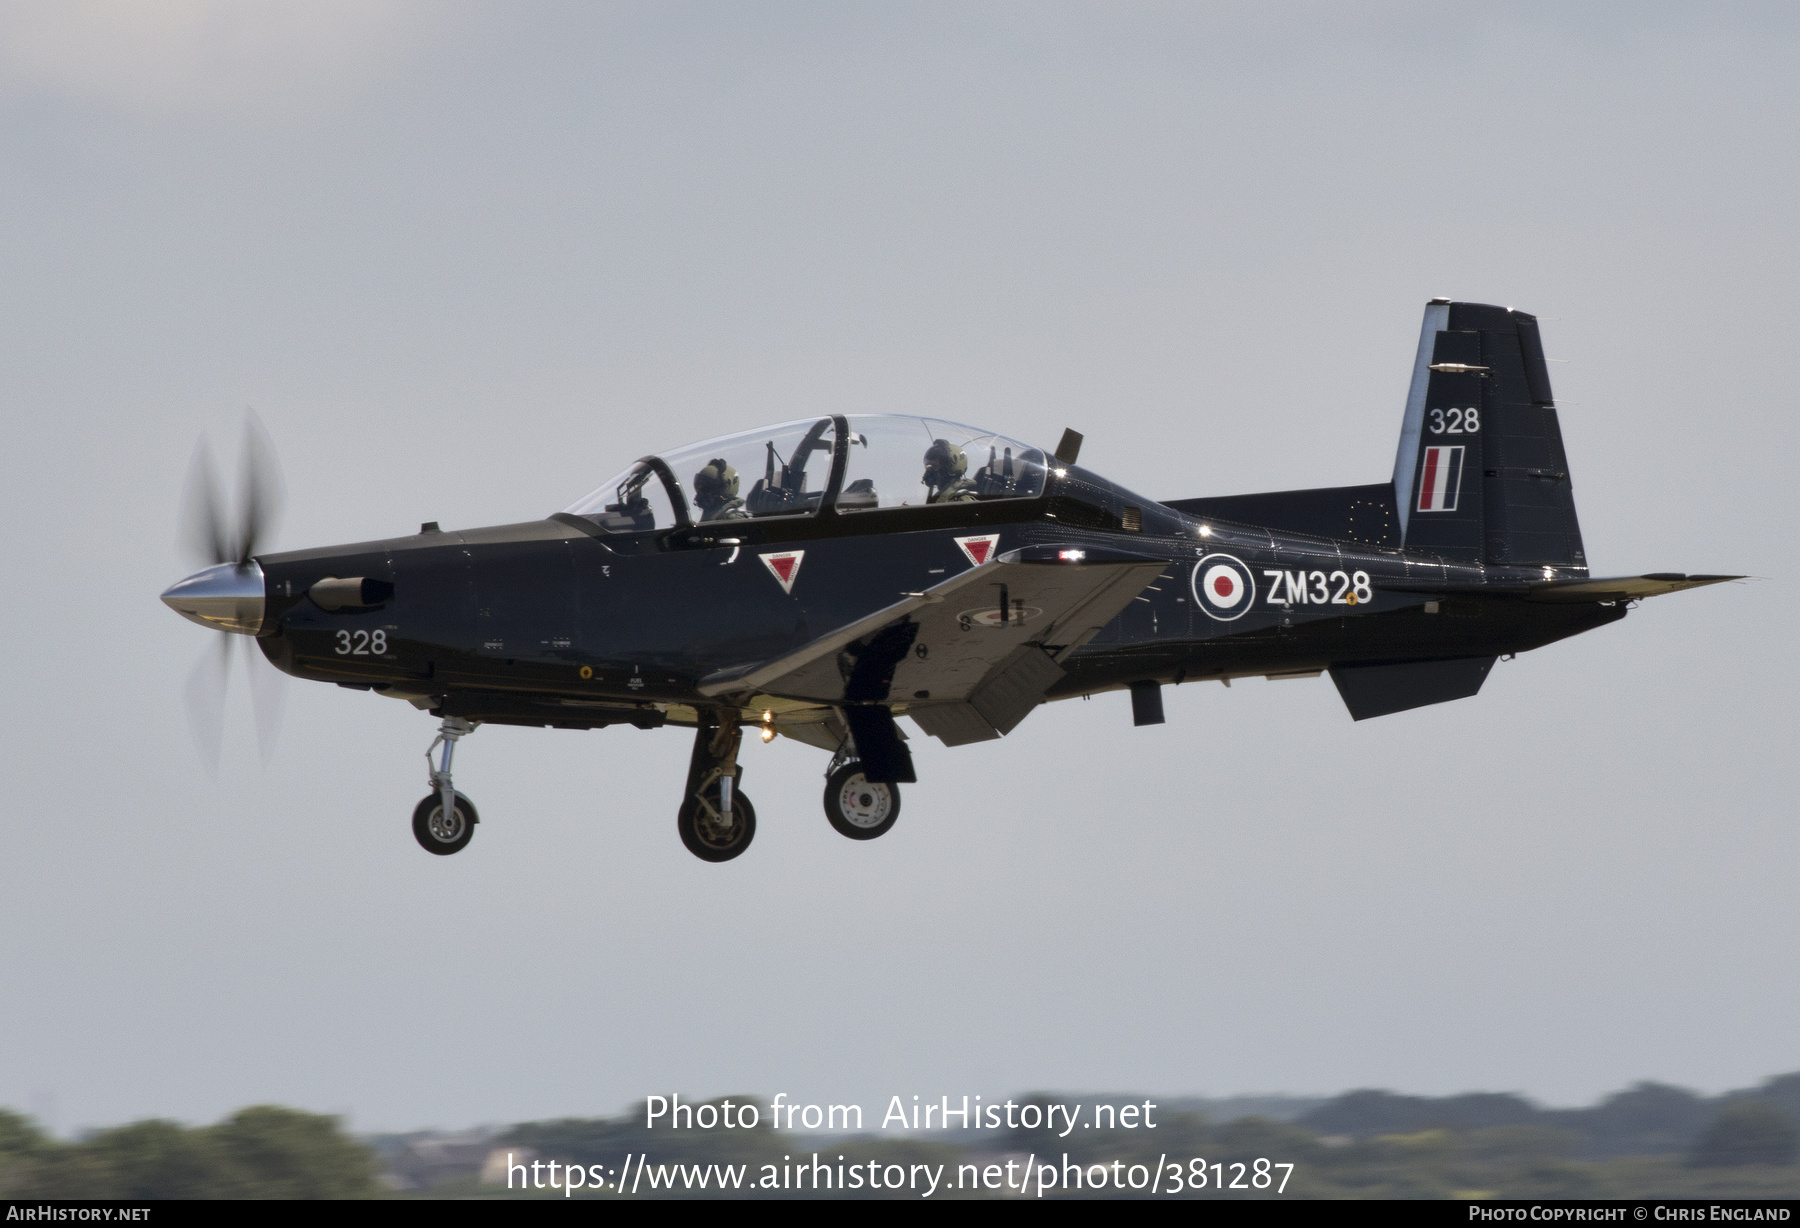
[261, 1152]
[1650, 1140]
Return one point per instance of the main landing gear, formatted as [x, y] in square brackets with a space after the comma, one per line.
[444, 820]
[716, 821]
[855, 807]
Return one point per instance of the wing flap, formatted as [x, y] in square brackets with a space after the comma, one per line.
[953, 724]
[1003, 699]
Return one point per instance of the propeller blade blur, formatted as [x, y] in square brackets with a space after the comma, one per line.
[205, 691]
[260, 494]
[268, 695]
[227, 593]
[203, 532]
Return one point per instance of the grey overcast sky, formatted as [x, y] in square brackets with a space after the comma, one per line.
[467, 259]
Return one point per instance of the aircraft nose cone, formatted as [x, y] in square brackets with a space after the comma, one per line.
[228, 597]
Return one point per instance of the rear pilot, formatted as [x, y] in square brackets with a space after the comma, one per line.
[945, 466]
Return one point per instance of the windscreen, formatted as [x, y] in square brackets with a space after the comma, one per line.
[778, 470]
[783, 470]
[636, 501]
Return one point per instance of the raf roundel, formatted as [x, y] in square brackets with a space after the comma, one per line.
[1223, 587]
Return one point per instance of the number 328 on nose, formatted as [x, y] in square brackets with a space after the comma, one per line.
[1318, 588]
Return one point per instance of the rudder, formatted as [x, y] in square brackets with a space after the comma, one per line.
[1481, 475]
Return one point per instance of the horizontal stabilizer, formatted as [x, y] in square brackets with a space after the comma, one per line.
[1621, 588]
[1600, 590]
[1382, 689]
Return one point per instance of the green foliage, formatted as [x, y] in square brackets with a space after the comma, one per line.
[1558, 1179]
[1646, 1119]
[263, 1152]
[284, 1153]
[25, 1153]
[20, 1136]
[151, 1159]
[1365, 1113]
[1746, 1132]
[1522, 1143]
[1249, 1137]
[1782, 1091]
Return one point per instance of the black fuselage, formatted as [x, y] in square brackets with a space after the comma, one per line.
[560, 622]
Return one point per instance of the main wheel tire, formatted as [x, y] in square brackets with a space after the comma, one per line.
[437, 836]
[708, 839]
[857, 808]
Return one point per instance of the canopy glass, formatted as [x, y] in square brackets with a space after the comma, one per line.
[856, 463]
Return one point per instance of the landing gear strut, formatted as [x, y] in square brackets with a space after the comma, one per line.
[444, 820]
[855, 807]
[716, 821]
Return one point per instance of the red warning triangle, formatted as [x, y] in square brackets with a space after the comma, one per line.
[784, 567]
[979, 549]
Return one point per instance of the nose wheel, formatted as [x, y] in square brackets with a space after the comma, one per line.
[438, 834]
[444, 820]
[856, 808]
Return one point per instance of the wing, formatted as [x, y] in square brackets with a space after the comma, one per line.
[968, 658]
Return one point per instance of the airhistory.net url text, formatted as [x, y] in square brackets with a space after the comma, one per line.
[1019, 1178]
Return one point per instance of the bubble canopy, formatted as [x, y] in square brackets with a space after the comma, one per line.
[844, 463]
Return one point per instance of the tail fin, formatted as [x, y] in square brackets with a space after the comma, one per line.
[1481, 476]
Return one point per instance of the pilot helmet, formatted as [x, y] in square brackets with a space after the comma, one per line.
[718, 481]
[944, 463]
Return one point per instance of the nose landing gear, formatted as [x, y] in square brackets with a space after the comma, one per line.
[716, 821]
[444, 820]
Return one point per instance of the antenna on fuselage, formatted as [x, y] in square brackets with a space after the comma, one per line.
[1069, 448]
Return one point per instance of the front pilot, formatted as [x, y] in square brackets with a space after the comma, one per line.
[715, 490]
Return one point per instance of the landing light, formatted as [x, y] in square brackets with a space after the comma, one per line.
[768, 725]
[1205, 530]
[1072, 556]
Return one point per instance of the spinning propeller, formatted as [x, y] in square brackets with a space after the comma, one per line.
[227, 594]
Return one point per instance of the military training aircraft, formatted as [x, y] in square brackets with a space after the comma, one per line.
[818, 579]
